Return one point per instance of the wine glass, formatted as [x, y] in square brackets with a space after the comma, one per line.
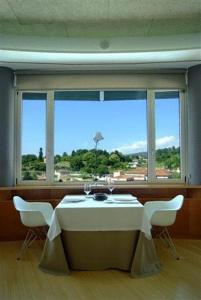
[110, 186]
[87, 189]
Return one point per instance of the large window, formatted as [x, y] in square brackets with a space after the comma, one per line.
[121, 119]
[140, 129]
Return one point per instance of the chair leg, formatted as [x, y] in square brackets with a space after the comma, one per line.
[170, 243]
[163, 238]
[39, 233]
[30, 237]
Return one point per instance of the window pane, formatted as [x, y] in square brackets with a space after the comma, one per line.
[121, 155]
[167, 123]
[124, 95]
[77, 95]
[33, 136]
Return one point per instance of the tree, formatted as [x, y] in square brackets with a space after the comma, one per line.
[65, 157]
[39, 166]
[40, 156]
[89, 161]
[102, 170]
[28, 158]
[62, 165]
[29, 176]
[168, 158]
[114, 160]
[57, 158]
[76, 162]
[103, 159]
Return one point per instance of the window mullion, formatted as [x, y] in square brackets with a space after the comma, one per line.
[101, 95]
[183, 134]
[151, 134]
[50, 137]
[18, 134]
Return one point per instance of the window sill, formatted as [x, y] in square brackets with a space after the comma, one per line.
[117, 186]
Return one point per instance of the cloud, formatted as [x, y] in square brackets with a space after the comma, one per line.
[166, 141]
[134, 147]
[141, 146]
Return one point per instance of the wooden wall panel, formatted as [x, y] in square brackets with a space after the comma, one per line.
[187, 225]
[10, 225]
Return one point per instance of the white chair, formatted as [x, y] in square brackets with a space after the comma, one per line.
[35, 216]
[163, 214]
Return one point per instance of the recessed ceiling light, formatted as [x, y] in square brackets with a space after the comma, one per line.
[104, 44]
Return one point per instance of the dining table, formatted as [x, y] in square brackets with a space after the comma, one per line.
[87, 234]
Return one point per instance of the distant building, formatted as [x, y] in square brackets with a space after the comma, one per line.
[162, 173]
[139, 174]
[130, 175]
[133, 163]
[117, 173]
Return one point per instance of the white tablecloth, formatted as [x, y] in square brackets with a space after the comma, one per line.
[91, 215]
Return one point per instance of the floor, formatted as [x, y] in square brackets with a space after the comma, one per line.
[22, 280]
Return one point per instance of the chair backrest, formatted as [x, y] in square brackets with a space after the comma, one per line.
[29, 215]
[165, 213]
[176, 203]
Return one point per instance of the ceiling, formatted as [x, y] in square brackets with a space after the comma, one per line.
[99, 26]
[99, 18]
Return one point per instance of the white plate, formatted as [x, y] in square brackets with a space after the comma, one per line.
[123, 196]
[73, 199]
[121, 202]
[125, 200]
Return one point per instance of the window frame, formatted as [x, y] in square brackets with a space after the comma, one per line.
[18, 134]
[150, 111]
[182, 137]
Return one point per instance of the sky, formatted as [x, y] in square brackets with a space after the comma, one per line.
[122, 123]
